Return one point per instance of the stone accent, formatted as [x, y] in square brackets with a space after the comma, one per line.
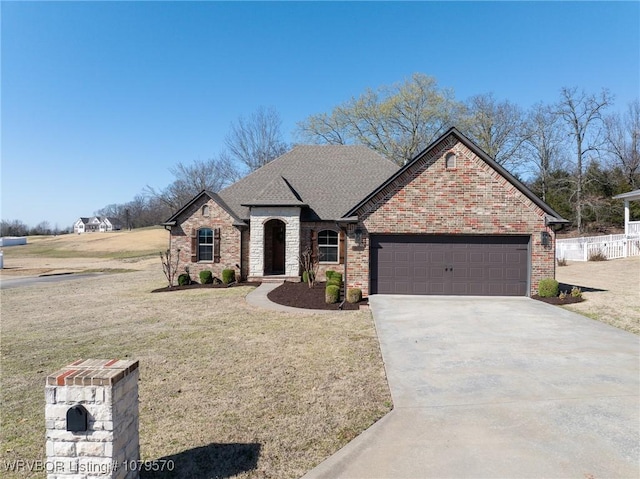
[108, 390]
[290, 216]
[471, 198]
[192, 219]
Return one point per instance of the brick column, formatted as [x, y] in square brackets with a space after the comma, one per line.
[108, 390]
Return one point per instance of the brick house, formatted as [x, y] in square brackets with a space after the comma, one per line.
[451, 221]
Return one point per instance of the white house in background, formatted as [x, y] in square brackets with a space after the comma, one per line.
[630, 227]
[95, 224]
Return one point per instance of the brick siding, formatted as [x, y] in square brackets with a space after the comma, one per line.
[471, 198]
[230, 239]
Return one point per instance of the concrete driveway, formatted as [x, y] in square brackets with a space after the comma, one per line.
[498, 388]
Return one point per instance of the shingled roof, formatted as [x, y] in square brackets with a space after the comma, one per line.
[329, 179]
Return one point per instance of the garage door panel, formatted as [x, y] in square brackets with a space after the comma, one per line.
[457, 265]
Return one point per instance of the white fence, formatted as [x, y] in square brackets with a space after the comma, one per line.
[611, 246]
[634, 227]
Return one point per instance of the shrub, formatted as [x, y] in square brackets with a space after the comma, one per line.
[562, 262]
[597, 256]
[332, 294]
[562, 295]
[576, 292]
[206, 277]
[337, 277]
[306, 275]
[184, 279]
[354, 295]
[228, 276]
[548, 288]
[334, 282]
[329, 274]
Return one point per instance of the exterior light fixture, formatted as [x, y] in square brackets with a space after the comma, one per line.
[358, 233]
[545, 238]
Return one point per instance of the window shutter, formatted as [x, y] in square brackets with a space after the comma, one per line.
[194, 246]
[341, 247]
[313, 243]
[216, 245]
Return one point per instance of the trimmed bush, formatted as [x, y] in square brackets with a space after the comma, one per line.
[548, 288]
[206, 277]
[184, 279]
[228, 276]
[354, 295]
[337, 277]
[332, 294]
[334, 282]
[305, 276]
[329, 274]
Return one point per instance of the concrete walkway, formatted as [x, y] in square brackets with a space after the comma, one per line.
[258, 297]
[498, 388]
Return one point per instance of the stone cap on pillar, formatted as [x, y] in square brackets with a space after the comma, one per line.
[92, 372]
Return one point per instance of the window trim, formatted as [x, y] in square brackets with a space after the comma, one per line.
[336, 246]
[200, 245]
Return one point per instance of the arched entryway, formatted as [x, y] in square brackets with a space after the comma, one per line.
[274, 247]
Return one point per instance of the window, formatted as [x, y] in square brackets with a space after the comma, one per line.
[205, 244]
[205, 210]
[328, 246]
[450, 160]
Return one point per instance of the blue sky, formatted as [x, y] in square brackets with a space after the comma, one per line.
[100, 99]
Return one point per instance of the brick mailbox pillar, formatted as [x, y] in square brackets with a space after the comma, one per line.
[91, 417]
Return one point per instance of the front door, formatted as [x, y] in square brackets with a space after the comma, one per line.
[274, 251]
[278, 249]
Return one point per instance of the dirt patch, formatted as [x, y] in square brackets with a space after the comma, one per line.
[299, 295]
[611, 290]
[559, 301]
[195, 285]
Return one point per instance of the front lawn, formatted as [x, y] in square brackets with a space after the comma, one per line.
[226, 389]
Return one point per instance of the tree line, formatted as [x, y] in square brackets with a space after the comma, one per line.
[574, 153]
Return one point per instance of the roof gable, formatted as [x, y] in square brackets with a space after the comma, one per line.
[215, 197]
[552, 216]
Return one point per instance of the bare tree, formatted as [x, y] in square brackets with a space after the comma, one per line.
[544, 139]
[397, 121]
[190, 179]
[583, 114]
[13, 228]
[170, 265]
[497, 128]
[256, 141]
[623, 142]
[310, 263]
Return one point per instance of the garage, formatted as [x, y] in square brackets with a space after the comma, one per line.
[449, 265]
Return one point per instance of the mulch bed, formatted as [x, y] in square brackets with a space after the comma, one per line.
[557, 301]
[195, 285]
[299, 295]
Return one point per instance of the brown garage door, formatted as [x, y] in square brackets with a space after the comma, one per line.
[451, 265]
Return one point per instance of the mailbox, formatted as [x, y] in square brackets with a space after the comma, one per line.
[77, 419]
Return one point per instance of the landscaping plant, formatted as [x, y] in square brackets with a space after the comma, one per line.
[332, 294]
[184, 279]
[548, 288]
[169, 265]
[309, 264]
[228, 276]
[206, 277]
[354, 295]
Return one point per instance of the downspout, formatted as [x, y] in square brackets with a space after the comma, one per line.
[346, 249]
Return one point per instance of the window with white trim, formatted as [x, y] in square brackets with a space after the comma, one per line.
[328, 246]
[205, 244]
